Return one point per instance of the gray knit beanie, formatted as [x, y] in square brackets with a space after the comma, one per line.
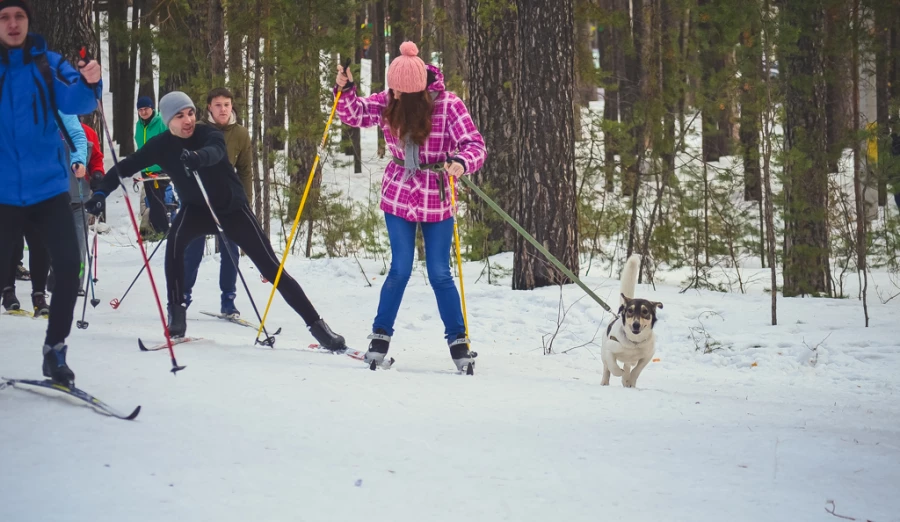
[173, 103]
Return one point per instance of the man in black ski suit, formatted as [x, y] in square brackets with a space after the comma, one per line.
[186, 150]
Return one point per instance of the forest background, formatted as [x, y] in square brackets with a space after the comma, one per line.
[713, 136]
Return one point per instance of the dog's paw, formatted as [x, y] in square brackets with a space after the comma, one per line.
[627, 383]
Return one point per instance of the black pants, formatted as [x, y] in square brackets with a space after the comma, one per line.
[193, 221]
[53, 221]
[38, 258]
[156, 202]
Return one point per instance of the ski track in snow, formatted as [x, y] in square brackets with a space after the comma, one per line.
[764, 428]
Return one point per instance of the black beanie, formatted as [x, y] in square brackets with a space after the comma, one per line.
[17, 3]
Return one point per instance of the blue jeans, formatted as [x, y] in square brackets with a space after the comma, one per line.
[227, 271]
[438, 240]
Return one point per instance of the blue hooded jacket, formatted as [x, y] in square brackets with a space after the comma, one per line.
[33, 158]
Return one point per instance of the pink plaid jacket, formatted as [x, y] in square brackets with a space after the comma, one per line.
[453, 135]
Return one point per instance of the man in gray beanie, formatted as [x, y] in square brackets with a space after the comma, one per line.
[186, 150]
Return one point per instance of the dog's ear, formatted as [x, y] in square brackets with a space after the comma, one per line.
[625, 300]
[657, 304]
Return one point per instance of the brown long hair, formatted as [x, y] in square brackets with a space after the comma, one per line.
[411, 115]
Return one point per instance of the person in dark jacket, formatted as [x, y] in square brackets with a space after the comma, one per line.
[34, 83]
[220, 114]
[148, 125]
[187, 150]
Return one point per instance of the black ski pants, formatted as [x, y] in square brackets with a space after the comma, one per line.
[53, 221]
[194, 221]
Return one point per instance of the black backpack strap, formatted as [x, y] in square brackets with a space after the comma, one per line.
[40, 61]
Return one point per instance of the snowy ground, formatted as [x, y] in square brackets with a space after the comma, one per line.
[763, 429]
[775, 424]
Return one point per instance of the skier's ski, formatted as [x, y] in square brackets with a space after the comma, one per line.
[71, 391]
[25, 313]
[163, 346]
[236, 320]
[354, 354]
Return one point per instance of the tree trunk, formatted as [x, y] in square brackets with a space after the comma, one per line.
[586, 89]
[216, 41]
[630, 92]
[268, 121]
[608, 37]
[805, 145]
[237, 77]
[376, 53]
[882, 94]
[751, 76]
[709, 66]
[546, 141]
[146, 85]
[493, 59]
[257, 128]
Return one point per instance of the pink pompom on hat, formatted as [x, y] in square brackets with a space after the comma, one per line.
[407, 71]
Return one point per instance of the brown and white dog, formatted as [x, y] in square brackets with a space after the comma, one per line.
[629, 337]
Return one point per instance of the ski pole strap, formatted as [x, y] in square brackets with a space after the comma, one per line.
[534, 242]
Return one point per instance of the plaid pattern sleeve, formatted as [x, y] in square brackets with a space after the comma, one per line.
[464, 136]
[361, 112]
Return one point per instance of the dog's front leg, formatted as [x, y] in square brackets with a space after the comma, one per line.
[626, 375]
[605, 380]
[610, 364]
[636, 372]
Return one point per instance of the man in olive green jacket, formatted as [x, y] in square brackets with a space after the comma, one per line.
[220, 113]
[148, 125]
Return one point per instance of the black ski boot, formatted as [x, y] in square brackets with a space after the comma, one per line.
[39, 302]
[327, 339]
[9, 299]
[463, 358]
[177, 320]
[55, 366]
[378, 348]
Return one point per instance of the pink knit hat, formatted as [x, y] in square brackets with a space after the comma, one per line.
[407, 71]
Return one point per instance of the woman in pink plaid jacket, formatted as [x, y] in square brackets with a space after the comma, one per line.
[431, 136]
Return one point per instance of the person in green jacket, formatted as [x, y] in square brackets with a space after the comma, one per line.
[220, 114]
[150, 124]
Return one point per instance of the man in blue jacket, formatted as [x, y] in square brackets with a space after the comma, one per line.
[34, 83]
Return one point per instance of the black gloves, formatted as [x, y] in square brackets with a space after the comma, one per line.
[190, 159]
[96, 204]
[95, 178]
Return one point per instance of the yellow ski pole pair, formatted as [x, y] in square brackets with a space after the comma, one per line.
[290, 240]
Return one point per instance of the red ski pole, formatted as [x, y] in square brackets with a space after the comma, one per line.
[162, 316]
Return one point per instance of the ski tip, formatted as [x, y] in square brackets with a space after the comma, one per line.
[141, 346]
[134, 414]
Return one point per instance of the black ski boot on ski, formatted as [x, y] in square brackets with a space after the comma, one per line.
[378, 348]
[177, 320]
[326, 338]
[9, 299]
[463, 358]
[55, 366]
[39, 302]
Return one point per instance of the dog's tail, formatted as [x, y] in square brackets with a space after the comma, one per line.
[630, 275]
